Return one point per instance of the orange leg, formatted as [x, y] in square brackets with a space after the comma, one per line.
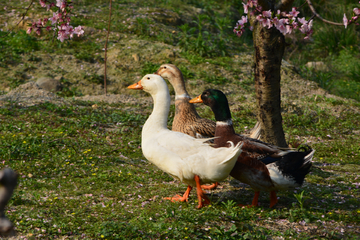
[178, 198]
[201, 195]
[273, 198]
[255, 199]
[210, 187]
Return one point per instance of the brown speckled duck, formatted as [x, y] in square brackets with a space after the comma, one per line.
[261, 165]
[186, 119]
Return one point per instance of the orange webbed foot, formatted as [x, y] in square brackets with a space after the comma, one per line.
[201, 195]
[210, 187]
[178, 198]
[254, 202]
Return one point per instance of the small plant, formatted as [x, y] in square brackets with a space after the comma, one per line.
[231, 208]
[300, 198]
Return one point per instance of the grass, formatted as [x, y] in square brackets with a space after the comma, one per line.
[82, 175]
[336, 46]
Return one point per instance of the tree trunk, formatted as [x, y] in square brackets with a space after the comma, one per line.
[269, 47]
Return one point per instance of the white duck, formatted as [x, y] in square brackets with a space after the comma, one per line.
[185, 158]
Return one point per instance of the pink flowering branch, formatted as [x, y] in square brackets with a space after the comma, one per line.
[284, 21]
[60, 21]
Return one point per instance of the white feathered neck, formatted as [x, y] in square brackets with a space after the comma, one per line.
[158, 118]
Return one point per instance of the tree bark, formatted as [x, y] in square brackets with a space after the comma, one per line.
[269, 47]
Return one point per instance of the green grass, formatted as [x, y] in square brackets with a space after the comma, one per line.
[336, 46]
[82, 175]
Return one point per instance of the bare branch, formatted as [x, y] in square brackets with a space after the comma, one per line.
[22, 18]
[107, 38]
[318, 15]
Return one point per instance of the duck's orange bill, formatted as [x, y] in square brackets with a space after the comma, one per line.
[136, 86]
[196, 100]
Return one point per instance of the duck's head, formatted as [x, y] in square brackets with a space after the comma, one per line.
[169, 72]
[218, 102]
[150, 83]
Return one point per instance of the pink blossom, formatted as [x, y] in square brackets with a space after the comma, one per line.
[267, 13]
[281, 26]
[252, 3]
[29, 30]
[241, 22]
[304, 28]
[53, 19]
[345, 21]
[246, 8]
[302, 20]
[310, 24]
[38, 31]
[42, 3]
[294, 13]
[356, 11]
[61, 4]
[239, 32]
[288, 29]
[265, 22]
[63, 32]
[39, 22]
[275, 21]
[79, 30]
[244, 19]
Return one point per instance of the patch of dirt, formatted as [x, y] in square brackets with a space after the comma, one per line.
[30, 94]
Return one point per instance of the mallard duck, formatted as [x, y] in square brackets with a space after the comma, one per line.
[188, 159]
[261, 165]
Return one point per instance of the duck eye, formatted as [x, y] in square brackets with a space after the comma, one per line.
[148, 78]
[165, 67]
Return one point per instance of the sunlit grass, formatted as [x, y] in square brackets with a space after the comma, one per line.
[82, 175]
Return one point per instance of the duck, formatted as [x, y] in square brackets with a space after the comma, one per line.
[190, 160]
[186, 119]
[261, 165]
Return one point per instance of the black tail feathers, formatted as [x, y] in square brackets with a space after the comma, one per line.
[297, 164]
